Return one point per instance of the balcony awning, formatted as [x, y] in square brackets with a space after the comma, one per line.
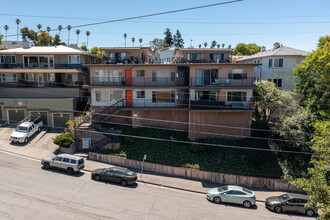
[23, 70]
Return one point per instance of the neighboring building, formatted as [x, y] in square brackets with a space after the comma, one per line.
[277, 65]
[11, 44]
[127, 55]
[191, 95]
[44, 81]
[195, 55]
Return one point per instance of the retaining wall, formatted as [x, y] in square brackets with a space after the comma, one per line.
[222, 178]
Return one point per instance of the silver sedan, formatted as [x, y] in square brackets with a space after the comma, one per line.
[232, 194]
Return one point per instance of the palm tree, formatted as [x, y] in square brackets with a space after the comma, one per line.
[199, 45]
[125, 36]
[48, 29]
[77, 32]
[69, 29]
[205, 44]
[6, 28]
[140, 40]
[223, 45]
[133, 40]
[59, 30]
[218, 46]
[39, 26]
[17, 22]
[87, 34]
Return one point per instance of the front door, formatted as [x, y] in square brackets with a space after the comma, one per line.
[41, 79]
[129, 95]
[128, 76]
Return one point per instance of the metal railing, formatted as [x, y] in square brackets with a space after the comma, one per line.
[213, 104]
[40, 66]
[139, 81]
[32, 84]
[221, 82]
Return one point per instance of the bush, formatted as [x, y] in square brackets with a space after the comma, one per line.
[64, 140]
[196, 148]
[192, 166]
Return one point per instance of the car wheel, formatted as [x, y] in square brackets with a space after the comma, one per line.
[70, 171]
[123, 183]
[97, 177]
[278, 209]
[25, 140]
[309, 212]
[247, 204]
[46, 166]
[217, 200]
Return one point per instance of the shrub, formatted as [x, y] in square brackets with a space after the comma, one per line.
[196, 148]
[64, 140]
[192, 166]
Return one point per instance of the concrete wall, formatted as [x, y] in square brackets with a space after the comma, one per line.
[221, 178]
[199, 119]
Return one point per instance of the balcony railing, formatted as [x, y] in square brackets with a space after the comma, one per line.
[40, 66]
[212, 104]
[139, 81]
[31, 84]
[182, 60]
[220, 82]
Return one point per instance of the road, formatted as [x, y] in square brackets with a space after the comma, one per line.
[29, 192]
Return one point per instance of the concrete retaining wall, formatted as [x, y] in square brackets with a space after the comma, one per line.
[248, 181]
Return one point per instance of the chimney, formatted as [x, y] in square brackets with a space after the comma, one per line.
[276, 45]
[262, 49]
[25, 44]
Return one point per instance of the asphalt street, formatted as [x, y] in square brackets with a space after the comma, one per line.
[29, 192]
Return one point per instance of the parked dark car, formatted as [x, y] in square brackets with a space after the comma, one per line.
[290, 202]
[120, 175]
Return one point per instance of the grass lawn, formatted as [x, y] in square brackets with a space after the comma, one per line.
[208, 158]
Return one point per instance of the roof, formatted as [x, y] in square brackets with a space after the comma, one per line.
[281, 51]
[25, 124]
[40, 50]
[70, 156]
[11, 44]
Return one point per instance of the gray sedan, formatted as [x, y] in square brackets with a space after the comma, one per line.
[232, 194]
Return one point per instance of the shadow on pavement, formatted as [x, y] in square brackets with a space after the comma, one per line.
[293, 214]
[63, 172]
[255, 207]
[133, 186]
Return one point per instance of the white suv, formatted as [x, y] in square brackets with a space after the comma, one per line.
[67, 162]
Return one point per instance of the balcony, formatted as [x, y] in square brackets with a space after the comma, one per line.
[40, 66]
[38, 84]
[139, 81]
[182, 60]
[220, 82]
[217, 105]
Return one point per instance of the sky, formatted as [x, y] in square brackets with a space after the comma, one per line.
[293, 23]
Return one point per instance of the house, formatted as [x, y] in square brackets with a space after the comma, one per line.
[42, 80]
[127, 55]
[277, 66]
[202, 99]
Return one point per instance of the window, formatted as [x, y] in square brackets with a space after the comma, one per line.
[101, 96]
[30, 77]
[163, 97]
[74, 59]
[51, 77]
[236, 96]
[8, 77]
[116, 95]
[194, 56]
[207, 95]
[58, 158]
[38, 61]
[163, 76]
[278, 82]
[237, 74]
[72, 78]
[275, 63]
[140, 94]
[110, 171]
[66, 160]
[108, 75]
[73, 161]
[140, 73]
[207, 77]
[7, 59]
[217, 57]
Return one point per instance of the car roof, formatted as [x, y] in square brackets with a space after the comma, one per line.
[25, 124]
[119, 168]
[233, 187]
[70, 156]
[298, 196]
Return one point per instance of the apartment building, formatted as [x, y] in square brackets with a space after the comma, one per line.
[202, 99]
[45, 81]
[277, 65]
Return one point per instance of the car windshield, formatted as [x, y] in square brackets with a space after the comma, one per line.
[223, 188]
[21, 129]
[283, 197]
[247, 191]
[128, 172]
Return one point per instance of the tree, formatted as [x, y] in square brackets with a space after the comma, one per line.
[17, 22]
[69, 29]
[1, 36]
[77, 32]
[140, 40]
[59, 30]
[205, 44]
[157, 44]
[213, 44]
[42, 39]
[64, 140]
[223, 45]
[317, 185]
[178, 40]
[133, 40]
[314, 79]
[87, 34]
[39, 26]
[246, 49]
[97, 51]
[199, 45]
[28, 34]
[6, 28]
[125, 36]
[56, 40]
[168, 37]
[218, 46]
[84, 47]
[48, 29]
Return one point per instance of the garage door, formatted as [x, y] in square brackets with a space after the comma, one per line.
[15, 116]
[43, 117]
[60, 120]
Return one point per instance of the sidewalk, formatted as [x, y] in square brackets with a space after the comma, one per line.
[41, 146]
